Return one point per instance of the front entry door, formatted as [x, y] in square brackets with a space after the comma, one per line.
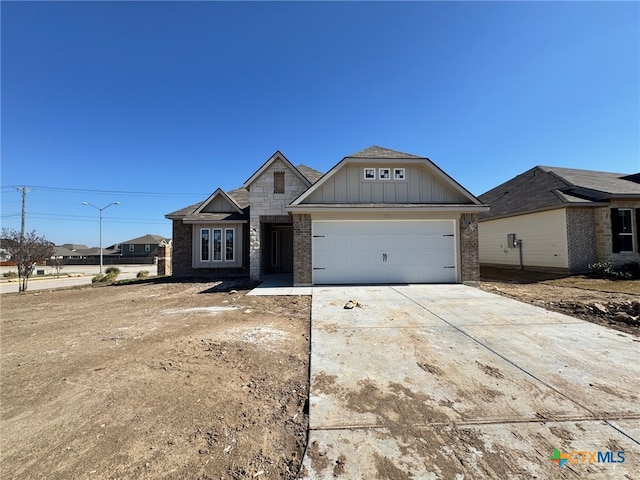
[280, 257]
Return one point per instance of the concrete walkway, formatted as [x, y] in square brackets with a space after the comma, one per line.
[279, 284]
[450, 382]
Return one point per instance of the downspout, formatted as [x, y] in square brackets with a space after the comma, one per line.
[519, 241]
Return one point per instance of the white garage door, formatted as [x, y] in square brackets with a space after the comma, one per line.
[384, 252]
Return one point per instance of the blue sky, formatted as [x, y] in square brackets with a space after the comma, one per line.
[156, 104]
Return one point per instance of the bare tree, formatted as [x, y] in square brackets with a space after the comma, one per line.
[26, 251]
[58, 264]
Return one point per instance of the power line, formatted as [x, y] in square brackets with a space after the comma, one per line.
[86, 218]
[118, 192]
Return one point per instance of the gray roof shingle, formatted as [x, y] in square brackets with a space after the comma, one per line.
[551, 187]
[241, 197]
[380, 152]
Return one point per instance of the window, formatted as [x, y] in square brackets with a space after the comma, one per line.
[217, 244]
[204, 244]
[369, 173]
[398, 173]
[147, 248]
[132, 248]
[384, 173]
[228, 244]
[621, 230]
[278, 182]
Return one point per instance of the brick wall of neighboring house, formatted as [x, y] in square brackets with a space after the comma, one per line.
[181, 259]
[264, 202]
[581, 239]
[604, 240]
[469, 250]
[302, 265]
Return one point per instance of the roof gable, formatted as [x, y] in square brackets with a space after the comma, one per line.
[147, 239]
[541, 188]
[219, 202]
[275, 157]
[395, 178]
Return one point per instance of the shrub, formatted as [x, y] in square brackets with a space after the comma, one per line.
[10, 274]
[628, 271]
[601, 269]
[142, 274]
[112, 270]
[110, 277]
[632, 269]
[100, 278]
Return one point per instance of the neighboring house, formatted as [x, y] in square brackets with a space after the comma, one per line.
[378, 216]
[563, 219]
[61, 252]
[144, 246]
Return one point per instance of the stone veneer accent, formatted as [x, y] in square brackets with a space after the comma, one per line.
[604, 242]
[581, 241]
[164, 259]
[266, 203]
[302, 259]
[469, 250]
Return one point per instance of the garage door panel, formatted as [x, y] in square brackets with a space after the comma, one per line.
[354, 252]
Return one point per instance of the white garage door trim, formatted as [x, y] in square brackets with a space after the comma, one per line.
[384, 251]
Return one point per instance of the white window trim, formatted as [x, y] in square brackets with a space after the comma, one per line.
[385, 170]
[370, 169]
[233, 247]
[396, 171]
[132, 247]
[147, 248]
[208, 247]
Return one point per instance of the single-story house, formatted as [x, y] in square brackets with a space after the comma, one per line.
[561, 219]
[144, 246]
[378, 216]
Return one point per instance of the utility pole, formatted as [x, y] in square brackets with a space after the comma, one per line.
[23, 191]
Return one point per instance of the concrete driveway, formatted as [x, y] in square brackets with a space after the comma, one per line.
[450, 382]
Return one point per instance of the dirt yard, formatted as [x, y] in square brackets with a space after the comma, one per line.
[160, 380]
[153, 380]
[612, 303]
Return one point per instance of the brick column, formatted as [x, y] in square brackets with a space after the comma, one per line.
[469, 250]
[302, 266]
[182, 254]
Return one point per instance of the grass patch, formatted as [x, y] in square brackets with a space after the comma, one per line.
[597, 284]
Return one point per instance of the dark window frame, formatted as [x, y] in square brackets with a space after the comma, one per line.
[621, 232]
[278, 182]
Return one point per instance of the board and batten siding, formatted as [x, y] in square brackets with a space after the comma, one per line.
[219, 204]
[543, 235]
[348, 185]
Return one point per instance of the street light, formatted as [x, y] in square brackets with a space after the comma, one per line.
[100, 210]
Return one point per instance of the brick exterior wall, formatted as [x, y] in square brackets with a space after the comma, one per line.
[604, 242]
[264, 204]
[302, 264]
[581, 239]
[469, 250]
[182, 255]
[181, 263]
